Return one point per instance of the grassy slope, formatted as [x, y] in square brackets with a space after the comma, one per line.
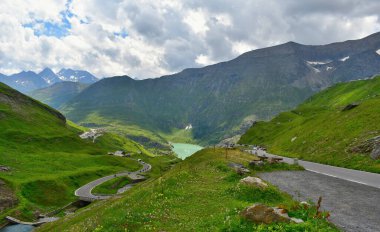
[147, 138]
[322, 131]
[111, 186]
[199, 194]
[48, 159]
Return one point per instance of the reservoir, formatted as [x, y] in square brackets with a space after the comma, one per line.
[17, 228]
[184, 150]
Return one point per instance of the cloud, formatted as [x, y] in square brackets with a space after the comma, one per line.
[152, 38]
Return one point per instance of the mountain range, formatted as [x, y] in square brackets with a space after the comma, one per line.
[27, 81]
[224, 99]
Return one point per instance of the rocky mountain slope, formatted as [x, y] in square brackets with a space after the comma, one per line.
[216, 100]
[76, 76]
[338, 126]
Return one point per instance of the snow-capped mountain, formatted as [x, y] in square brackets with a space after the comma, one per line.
[49, 76]
[28, 81]
[76, 76]
[24, 81]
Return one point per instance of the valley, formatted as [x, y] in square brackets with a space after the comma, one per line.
[283, 138]
[44, 157]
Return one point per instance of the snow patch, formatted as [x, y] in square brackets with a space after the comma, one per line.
[329, 68]
[378, 52]
[318, 62]
[189, 127]
[314, 69]
[345, 58]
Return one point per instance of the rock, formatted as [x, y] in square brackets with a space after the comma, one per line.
[350, 106]
[304, 203]
[293, 139]
[257, 163]
[274, 160]
[253, 181]
[236, 165]
[370, 146]
[4, 169]
[260, 213]
[296, 220]
[375, 154]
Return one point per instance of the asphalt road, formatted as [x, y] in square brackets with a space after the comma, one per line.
[84, 192]
[360, 177]
[353, 207]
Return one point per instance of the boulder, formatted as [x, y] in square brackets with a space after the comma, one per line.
[375, 154]
[260, 213]
[350, 106]
[370, 146]
[253, 181]
[257, 163]
[4, 169]
[239, 168]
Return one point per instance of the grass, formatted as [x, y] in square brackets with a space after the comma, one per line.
[111, 186]
[152, 141]
[200, 193]
[47, 158]
[179, 136]
[318, 130]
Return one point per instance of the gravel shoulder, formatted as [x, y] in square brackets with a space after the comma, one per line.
[353, 206]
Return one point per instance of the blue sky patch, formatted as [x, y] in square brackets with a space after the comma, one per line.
[122, 34]
[55, 29]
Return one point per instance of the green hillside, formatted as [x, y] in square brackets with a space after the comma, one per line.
[320, 130]
[199, 194]
[47, 158]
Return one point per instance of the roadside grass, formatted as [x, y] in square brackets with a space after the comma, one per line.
[200, 193]
[277, 167]
[318, 130]
[111, 186]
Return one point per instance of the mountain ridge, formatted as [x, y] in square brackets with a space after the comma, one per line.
[28, 81]
[216, 99]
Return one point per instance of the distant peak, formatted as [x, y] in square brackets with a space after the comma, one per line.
[46, 70]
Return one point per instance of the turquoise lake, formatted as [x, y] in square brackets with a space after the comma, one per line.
[17, 228]
[184, 150]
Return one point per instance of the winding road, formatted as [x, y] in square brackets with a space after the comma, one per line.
[85, 192]
[360, 177]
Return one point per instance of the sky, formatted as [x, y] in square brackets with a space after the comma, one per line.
[147, 39]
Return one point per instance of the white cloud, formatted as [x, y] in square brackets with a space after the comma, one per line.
[196, 20]
[152, 38]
